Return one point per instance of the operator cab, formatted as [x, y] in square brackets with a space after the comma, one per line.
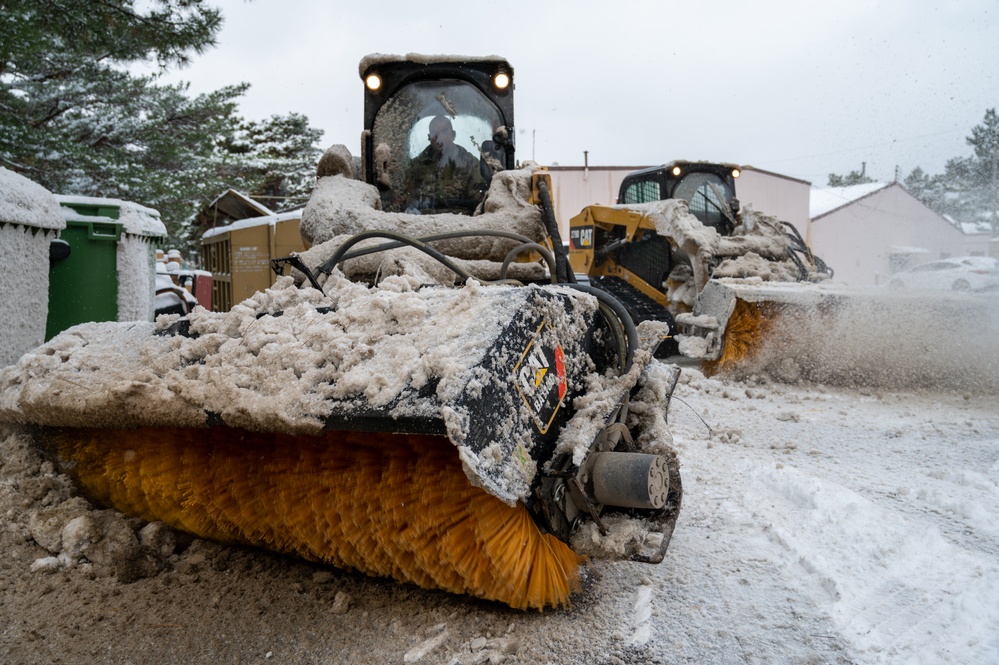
[435, 131]
[708, 189]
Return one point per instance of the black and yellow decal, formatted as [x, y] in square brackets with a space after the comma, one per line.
[581, 237]
[540, 376]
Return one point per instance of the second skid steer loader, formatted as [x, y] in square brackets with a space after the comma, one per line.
[744, 294]
[676, 231]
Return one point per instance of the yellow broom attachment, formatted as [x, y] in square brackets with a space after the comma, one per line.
[746, 332]
[388, 505]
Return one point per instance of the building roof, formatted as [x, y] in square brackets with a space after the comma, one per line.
[825, 200]
[230, 206]
[270, 220]
[750, 167]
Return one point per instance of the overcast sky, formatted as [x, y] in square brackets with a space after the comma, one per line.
[792, 86]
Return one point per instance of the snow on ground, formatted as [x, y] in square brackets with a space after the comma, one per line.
[819, 525]
[876, 506]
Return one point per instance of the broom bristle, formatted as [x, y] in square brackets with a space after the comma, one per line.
[388, 505]
[745, 333]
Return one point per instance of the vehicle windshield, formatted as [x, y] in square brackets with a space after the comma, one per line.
[709, 198]
[433, 147]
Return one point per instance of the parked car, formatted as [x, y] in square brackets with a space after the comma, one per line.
[962, 273]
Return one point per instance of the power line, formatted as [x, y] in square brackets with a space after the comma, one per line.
[867, 147]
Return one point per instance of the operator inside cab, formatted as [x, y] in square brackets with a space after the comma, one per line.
[444, 176]
[434, 144]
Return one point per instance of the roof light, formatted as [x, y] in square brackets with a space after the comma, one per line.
[736, 173]
[676, 171]
[501, 80]
[373, 81]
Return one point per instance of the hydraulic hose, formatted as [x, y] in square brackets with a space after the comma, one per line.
[621, 324]
[563, 274]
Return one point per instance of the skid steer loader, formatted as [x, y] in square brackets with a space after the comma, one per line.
[742, 293]
[427, 396]
[663, 250]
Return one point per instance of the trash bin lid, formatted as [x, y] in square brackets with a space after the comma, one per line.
[137, 220]
[26, 203]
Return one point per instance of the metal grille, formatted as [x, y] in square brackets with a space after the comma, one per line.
[649, 258]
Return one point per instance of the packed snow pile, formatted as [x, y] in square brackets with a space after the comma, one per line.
[341, 207]
[757, 248]
[30, 218]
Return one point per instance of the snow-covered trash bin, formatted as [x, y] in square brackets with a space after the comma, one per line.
[110, 272]
[30, 220]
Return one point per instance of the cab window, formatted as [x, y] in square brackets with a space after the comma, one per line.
[708, 196]
[642, 191]
[433, 147]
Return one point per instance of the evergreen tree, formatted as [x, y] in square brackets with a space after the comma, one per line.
[282, 154]
[73, 119]
[984, 169]
[854, 178]
[968, 189]
[919, 184]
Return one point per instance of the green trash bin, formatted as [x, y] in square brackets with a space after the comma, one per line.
[83, 285]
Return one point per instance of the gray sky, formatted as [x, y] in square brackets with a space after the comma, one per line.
[790, 86]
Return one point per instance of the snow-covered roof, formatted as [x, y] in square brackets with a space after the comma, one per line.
[270, 220]
[238, 205]
[824, 200]
[135, 219]
[23, 201]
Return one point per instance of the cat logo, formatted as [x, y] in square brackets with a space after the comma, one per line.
[581, 237]
[540, 376]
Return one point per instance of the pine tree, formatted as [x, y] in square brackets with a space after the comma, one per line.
[968, 189]
[854, 178]
[284, 155]
[984, 172]
[73, 118]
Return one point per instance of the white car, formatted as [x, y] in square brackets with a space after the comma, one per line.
[962, 273]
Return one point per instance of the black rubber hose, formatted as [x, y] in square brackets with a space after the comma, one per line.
[420, 243]
[624, 322]
[563, 273]
[440, 236]
[529, 246]
[296, 263]
[327, 267]
[342, 254]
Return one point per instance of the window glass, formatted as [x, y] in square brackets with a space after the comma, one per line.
[708, 195]
[430, 141]
[642, 192]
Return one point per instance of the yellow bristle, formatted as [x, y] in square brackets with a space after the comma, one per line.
[745, 334]
[387, 505]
